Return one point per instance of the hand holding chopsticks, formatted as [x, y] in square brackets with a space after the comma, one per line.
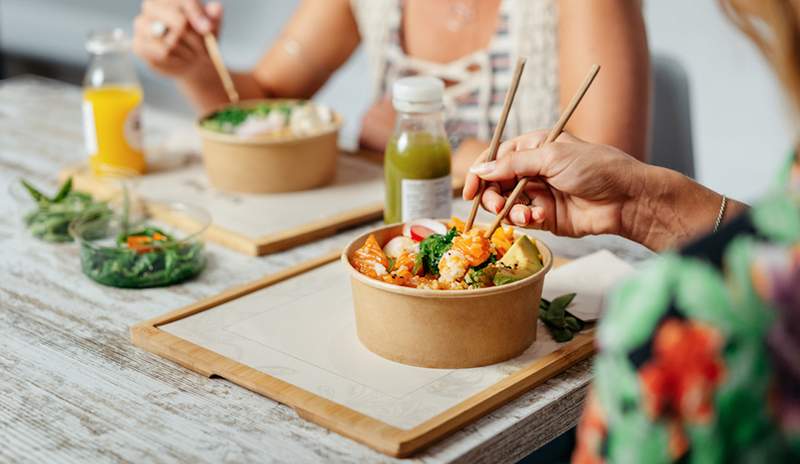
[498, 133]
[553, 134]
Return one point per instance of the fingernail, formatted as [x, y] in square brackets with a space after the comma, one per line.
[204, 25]
[483, 168]
[518, 217]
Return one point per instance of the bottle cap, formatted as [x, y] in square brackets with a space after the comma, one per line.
[418, 94]
[114, 40]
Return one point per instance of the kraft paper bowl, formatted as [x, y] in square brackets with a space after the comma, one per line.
[269, 163]
[444, 328]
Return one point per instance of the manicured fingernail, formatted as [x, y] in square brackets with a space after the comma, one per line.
[538, 215]
[483, 168]
[518, 217]
[204, 25]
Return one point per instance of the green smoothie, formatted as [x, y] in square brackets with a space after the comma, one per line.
[416, 157]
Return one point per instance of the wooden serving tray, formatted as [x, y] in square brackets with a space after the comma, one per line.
[260, 224]
[291, 337]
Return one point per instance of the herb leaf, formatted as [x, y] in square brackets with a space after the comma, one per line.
[63, 191]
[35, 194]
[561, 323]
[433, 247]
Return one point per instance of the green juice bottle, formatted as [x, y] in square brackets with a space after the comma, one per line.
[417, 160]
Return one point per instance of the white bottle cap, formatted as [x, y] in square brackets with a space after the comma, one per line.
[418, 94]
[105, 41]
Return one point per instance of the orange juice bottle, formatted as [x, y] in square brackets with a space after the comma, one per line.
[112, 100]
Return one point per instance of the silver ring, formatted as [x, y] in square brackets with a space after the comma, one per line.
[158, 29]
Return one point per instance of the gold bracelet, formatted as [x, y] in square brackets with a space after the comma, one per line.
[721, 214]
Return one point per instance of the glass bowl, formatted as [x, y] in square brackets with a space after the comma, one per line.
[127, 248]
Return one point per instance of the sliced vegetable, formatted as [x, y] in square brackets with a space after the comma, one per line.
[420, 229]
[396, 246]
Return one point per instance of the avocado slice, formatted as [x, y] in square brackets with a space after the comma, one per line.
[521, 260]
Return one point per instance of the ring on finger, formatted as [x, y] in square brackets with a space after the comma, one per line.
[158, 29]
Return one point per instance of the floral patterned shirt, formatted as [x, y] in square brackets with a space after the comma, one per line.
[699, 354]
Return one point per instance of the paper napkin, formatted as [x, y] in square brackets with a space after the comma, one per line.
[591, 278]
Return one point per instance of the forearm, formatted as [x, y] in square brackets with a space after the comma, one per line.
[670, 209]
[204, 88]
[611, 33]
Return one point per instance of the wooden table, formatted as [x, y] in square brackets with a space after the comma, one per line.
[74, 389]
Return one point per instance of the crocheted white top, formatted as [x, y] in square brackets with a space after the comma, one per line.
[474, 100]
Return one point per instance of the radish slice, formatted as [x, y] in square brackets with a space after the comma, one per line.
[418, 229]
[396, 246]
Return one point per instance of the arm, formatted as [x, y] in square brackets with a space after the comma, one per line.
[671, 209]
[611, 33]
[319, 38]
[588, 189]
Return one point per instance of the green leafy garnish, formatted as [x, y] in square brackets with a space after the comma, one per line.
[65, 189]
[562, 324]
[431, 250]
[52, 216]
[227, 119]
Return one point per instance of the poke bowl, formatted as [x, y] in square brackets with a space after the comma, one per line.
[413, 318]
[124, 248]
[270, 146]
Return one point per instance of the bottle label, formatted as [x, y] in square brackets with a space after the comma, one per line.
[133, 128]
[89, 131]
[426, 198]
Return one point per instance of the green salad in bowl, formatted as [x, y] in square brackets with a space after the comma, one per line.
[130, 251]
[48, 217]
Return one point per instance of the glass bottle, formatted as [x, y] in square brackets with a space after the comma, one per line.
[112, 99]
[417, 159]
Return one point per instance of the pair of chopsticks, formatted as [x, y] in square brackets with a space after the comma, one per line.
[216, 58]
[498, 132]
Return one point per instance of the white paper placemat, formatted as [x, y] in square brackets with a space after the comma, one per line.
[302, 331]
[358, 184]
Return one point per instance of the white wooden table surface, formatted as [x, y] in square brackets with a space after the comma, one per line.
[74, 389]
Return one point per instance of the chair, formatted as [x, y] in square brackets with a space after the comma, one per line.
[671, 137]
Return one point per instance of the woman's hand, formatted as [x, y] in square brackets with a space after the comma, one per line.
[578, 188]
[180, 51]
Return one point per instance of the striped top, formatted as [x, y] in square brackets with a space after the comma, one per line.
[479, 81]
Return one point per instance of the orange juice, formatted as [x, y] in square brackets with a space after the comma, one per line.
[112, 125]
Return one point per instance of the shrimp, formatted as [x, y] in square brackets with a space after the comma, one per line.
[370, 259]
[469, 249]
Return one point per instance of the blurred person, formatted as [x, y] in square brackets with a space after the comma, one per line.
[470, 44]
[699, 353]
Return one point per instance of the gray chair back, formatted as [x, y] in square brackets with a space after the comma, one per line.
[671, 131]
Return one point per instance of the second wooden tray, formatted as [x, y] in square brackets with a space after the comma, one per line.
[259, 224]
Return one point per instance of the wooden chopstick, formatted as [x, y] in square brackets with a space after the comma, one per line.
[498, 133]
[216, 57]
[552, 136]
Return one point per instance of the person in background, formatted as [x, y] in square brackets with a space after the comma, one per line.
[699, 354]
[470, 44]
